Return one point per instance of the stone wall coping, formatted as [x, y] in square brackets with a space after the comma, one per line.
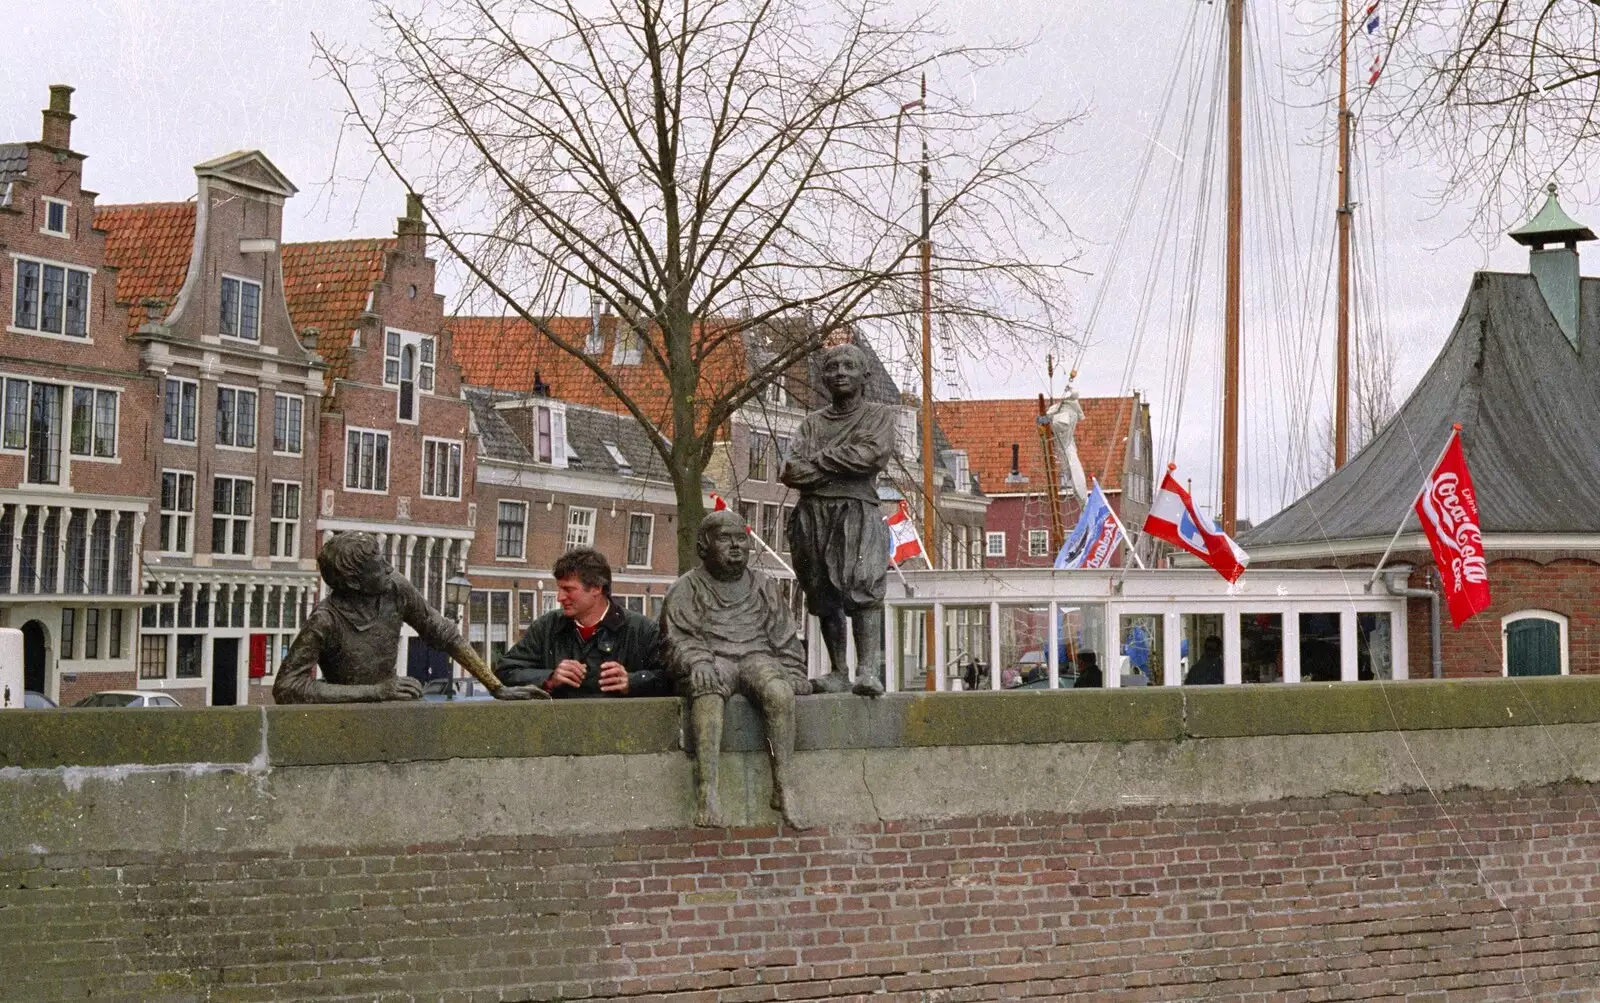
[395, 733]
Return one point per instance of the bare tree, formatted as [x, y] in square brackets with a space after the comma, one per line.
[720, 173]
[1505, 93]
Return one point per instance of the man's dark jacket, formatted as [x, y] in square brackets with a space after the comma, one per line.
[628, 638]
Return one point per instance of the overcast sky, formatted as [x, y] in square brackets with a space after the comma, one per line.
[165, 84]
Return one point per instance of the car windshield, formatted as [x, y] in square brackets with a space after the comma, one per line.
[110, 700]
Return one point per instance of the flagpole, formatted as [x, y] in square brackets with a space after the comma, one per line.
[1455, 430]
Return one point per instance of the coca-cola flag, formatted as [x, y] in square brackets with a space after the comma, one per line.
[1448, 511]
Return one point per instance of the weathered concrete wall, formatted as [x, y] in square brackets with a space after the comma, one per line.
[1314, 842]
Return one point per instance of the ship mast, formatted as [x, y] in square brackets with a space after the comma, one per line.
[1230, 364]
[1341, 383]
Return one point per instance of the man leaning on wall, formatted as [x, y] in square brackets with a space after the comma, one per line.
[590, 647]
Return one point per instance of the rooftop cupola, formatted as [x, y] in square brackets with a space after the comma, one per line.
[1555, 268]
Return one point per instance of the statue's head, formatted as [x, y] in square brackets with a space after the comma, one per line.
[353, 562]
[844, 371]
[723, 545]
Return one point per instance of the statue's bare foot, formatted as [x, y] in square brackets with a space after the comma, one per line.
[709, 814]
[868, 686]
[833, 682]
[785, 804]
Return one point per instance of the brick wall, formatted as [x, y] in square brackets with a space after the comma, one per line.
[1481, 896]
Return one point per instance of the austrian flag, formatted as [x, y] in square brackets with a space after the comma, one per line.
[1447, 508]
[1174, 519]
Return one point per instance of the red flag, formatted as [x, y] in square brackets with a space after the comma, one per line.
[1448, 511]
[719, 505]
[1174, 518]
[903, 537]
[1377, 70]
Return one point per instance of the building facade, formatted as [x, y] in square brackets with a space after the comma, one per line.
[75, 488]
[233, 446]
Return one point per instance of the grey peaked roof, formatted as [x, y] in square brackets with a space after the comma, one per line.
[588, 430]
[1529, 407]
[13, 161]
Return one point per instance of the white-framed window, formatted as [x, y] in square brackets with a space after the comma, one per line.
[1533, 643]
[55, 216]
[963, 551]
[960, 471]
[50, 298]
[94, 423]
[241, 309]
[366, 460]
[441, 468]
[641, 531]
[777, 392]
[232, 508]
[756, 469]
[283, 530]
[624, 467]
[236, 417]
[994, 545]
[580, 527]
[409, 366]
[771, 524]
[177, 511]
[511, 531]
[550, 434]
[288, 419]
[1038, 543]
[179, 405]
[784, 446]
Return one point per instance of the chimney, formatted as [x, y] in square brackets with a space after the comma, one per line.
[411, 228]
[58, 118]
[1556, 268]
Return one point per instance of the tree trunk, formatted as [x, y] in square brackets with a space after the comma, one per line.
[687, 464]
[688, 448]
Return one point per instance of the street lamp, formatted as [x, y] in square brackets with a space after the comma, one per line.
[457, 593]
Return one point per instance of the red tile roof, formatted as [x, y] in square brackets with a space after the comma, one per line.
[327, 284]
[150, 244]
[987, 428]
[505, 353]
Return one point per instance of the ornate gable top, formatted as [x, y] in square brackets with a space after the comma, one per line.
[248, 169]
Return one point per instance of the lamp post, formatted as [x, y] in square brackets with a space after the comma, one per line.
[457, 593]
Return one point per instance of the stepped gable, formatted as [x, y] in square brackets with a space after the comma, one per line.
[987, 428]
[328, 285]
[150, 244]
[1529, 407]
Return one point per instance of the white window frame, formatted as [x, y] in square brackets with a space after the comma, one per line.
[37, 331]
[1041, 550]
[177, 513]
[95, 394]
[388, 457]
[289, 400]
[570, 542]
[423, 381]
[649, 541]
[556, 414]
[250, 535]
[1533, 614]
[758, 458]
[238, 409]
[238, 318]
[182, 383]
[523, 550]
[290, 527]
[777, 393]
[994, 544]
[431, 445]
[66, 208]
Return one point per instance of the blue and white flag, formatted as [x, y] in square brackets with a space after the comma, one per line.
[1095, 538]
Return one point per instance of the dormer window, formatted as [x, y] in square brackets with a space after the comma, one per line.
[628, 350]
[408, 366]
[55, 217]
[776, 393]
[241, 309]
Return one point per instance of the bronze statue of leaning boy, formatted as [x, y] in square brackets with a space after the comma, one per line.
[354, 634]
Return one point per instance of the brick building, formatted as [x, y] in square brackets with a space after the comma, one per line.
[998, 440]
[233, 443]
[1521, 374]
[74, 484]
[551, 476]
[397, 457]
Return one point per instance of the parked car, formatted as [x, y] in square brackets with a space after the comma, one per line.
[441, 690]
[34, 700]
[127, 698]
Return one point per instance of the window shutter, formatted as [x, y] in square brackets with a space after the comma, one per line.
[558, 436]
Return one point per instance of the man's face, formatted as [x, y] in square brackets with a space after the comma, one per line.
[842, 374]
[728, 551]
[579, 601]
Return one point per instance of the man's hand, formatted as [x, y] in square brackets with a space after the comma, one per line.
[568, 672]
[613, 678]
[399, 688]
[520, 693]
[703, 677]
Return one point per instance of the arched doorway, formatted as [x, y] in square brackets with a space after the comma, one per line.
[35, 648]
